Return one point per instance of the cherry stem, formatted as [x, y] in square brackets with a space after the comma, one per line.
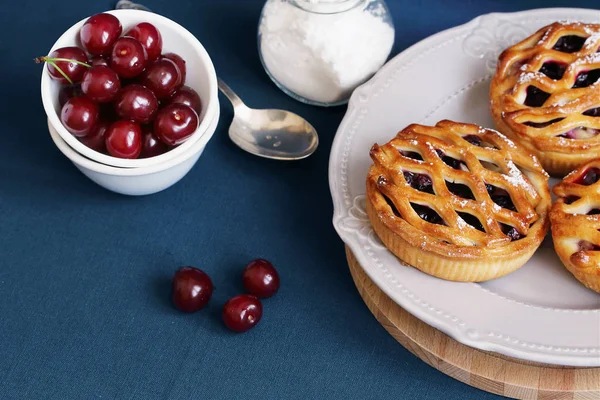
[52, 59]
[60, 70]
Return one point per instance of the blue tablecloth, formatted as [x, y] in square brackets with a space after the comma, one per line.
[85, 273]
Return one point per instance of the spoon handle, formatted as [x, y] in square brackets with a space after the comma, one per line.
[235, 100]
[130, 5]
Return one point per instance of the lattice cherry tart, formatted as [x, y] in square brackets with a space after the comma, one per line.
[457, 201]
[545, 95]
[575, 219]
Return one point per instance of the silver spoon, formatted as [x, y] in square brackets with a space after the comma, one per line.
[275, 134]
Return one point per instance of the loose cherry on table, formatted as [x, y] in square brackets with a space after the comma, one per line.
[137, 103]
[175, 123]
[99, 33]
[242, 312]
[260, 278]
[100, 84]
[124, 139]
[128, 57]
[79, 115]
[149, 37]
[191, 288]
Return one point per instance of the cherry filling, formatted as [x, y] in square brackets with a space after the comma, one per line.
[500, 197]
[542, 124]
[571, 199]
[581, 132]
[451, 162]
[593, 112]
[586, 78]
[460, 190]
[392, 206]
[553, 70]
[511, 232]
[473, 139]
[427, 214]
[420, 182]
[569, 44]
[478, 141]
[411, 154]
[589, 177]
[585, 245]
[471, 220]
[535, 97]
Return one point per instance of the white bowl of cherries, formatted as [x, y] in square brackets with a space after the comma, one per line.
[129, 90]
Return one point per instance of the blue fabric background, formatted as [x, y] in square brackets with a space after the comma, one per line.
[84, 273]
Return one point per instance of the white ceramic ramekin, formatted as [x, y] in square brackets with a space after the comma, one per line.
[201, 77]
[143, 180]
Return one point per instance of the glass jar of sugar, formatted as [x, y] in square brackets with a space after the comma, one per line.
[319, 51]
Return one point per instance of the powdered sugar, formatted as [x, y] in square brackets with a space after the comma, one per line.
[530, 76]
[322, 57]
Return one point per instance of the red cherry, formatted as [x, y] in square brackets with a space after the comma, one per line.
[162, 77]
[188, 96]
[66, 93]
[100, 84]
[124, 139]
[260, 278]
[96, 139]
[99, 33]
[149, 37]
[137, 103]
[73, 70]
[79, 115]
[175, 123]
[242, 312]
[191, 289]
[180, 64]
[97, 61]
[151, 145]
[128, 57]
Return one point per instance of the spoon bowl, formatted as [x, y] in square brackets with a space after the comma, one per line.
[275, 134]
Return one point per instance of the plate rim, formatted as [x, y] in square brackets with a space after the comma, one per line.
[576, 360]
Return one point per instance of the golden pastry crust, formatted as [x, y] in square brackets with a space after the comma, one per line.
[544, 96]
[464, 172]
[575, 219]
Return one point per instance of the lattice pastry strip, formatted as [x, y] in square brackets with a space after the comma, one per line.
[477, 163]
[575, 221]
[545, 90]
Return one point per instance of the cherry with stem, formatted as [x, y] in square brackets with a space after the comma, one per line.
[69, 69]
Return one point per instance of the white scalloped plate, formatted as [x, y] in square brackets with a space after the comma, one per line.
[539, 313]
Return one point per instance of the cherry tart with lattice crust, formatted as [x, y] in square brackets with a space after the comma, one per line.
[575, 219]
[545, 95]
[457, 201]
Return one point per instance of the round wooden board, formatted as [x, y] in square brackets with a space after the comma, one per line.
[488, 371]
